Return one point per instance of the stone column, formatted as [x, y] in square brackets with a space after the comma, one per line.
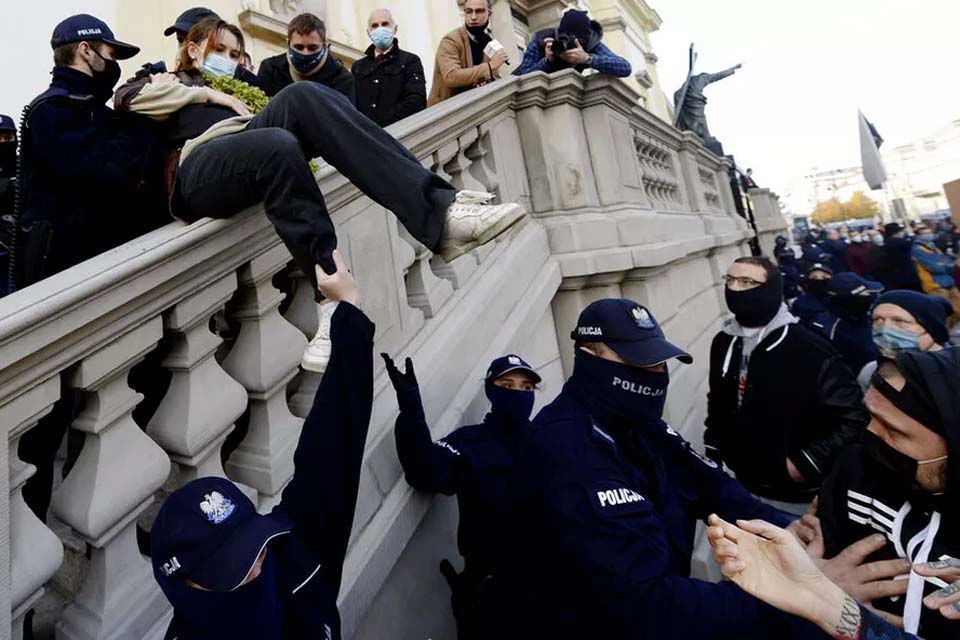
[202, 403]
[304, 314]
[35, 551]
[111, 484]
[265, 357]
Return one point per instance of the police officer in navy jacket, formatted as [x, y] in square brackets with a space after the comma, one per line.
[605, 501]
[474, 462]
[232, 573]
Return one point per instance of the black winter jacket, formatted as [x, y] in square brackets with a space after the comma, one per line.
[274, 75]
[92, 178]
[801, 401]
[391, 89]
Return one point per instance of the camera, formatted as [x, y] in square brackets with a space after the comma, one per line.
[563, 42]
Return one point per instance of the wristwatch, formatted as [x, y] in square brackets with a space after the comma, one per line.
[589, 62]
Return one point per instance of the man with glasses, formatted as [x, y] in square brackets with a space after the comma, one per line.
[782, 402]
[461, 63]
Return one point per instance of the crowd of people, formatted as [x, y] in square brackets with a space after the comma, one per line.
[828, 476]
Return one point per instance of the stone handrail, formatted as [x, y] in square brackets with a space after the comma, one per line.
[200, 303]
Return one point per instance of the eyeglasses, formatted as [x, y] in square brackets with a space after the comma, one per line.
[471, 12]
[745, 283]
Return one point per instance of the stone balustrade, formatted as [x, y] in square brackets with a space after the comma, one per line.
[215, 318]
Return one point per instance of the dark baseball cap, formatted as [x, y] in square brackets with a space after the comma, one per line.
[188, 18]
[820, 266]
[850, 284]
[209, 532]
[506, 364]
[630, 330]
[86, 28]
[7, 123]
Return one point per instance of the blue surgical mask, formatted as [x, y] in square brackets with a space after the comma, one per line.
[382, 37]
[878, 240]
[304, 63]
[891, 341]
[218, 66]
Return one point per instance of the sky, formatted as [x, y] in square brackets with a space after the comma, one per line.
[807, 67]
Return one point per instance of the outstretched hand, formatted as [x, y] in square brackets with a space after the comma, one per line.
[404, 383]
[339, 286]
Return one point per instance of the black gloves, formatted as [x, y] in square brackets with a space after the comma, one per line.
[405, 384]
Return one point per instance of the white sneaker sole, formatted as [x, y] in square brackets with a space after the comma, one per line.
[452, 250]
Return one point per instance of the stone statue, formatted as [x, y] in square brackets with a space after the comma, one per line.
[690, 104]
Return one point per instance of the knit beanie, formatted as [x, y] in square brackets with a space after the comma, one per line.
[576, 23]
[931, 312]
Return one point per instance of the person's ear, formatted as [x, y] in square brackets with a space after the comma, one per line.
[193, 52]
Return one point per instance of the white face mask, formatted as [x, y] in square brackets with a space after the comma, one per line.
[218, 66]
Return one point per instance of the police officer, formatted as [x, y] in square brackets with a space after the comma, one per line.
[186, 20]
[605, 501]
[473, 462]
[850, 298]
[232, 573]
[812, 307]
[87, 172]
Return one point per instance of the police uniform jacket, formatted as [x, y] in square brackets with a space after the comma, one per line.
[474, 463]
[322, 495]
[604, 531]
[391, 88]
[800, 400]
[92, 175]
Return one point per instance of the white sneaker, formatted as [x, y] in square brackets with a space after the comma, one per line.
[472, 222]
[317, 356]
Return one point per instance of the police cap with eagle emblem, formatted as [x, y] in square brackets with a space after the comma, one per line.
[630, 330]
[508, 363]
[210, 533]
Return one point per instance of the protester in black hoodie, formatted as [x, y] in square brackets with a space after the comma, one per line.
[308, 58]
[782, 403]
[901, 481]
[894, 260]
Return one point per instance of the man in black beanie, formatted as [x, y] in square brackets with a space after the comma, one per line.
[575, 43]
[782, 403]
[902, 482]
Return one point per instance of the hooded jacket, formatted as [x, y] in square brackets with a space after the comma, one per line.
[860, 498]
[800, 401]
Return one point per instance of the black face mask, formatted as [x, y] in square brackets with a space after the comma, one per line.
[902, 466]
[854, 309]
[251, 611]
[510, 406]
[107, 78]
[620, 396]
[817, 288]
[755, 307]
[8, 156]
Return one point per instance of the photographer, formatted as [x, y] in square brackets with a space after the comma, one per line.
[575, 43]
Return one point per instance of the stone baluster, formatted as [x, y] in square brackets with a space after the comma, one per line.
[482, 166]
[35, 551]
[203, 402]
[111, 484]
[425, 290]
[264, 359]
[304, 314]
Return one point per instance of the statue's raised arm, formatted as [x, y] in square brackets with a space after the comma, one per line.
[714, 77]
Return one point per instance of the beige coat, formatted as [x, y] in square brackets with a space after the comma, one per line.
[453, 71]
